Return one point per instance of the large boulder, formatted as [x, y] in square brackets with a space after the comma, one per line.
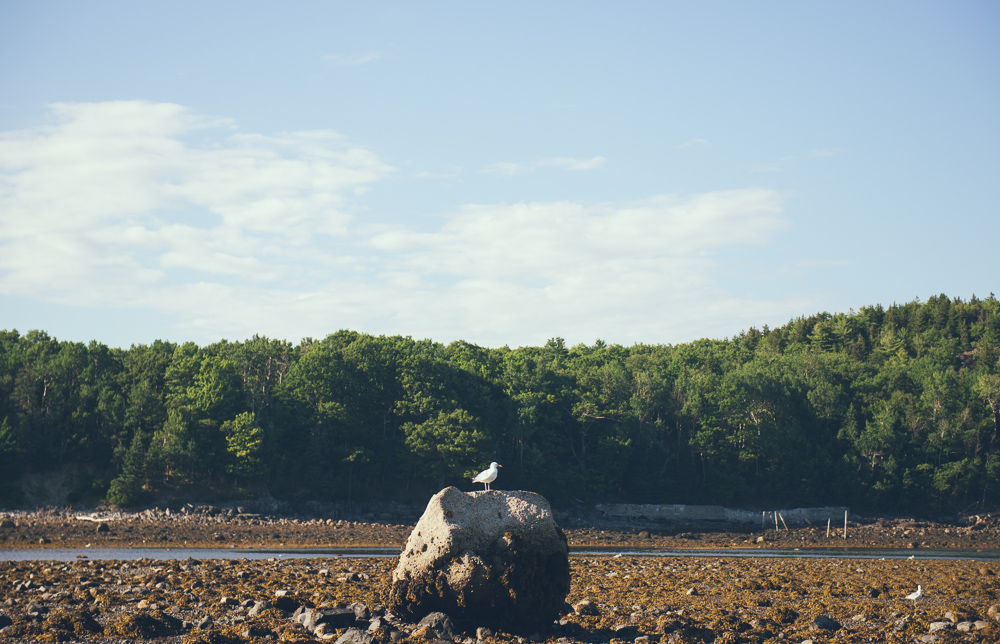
[487, 558]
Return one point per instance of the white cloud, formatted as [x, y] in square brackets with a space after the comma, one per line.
[110, 205]
[508, 169]
[110, 193]
[694, 143]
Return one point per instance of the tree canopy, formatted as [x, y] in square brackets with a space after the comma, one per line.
[884, 409]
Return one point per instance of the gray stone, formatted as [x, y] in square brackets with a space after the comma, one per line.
[979, 624]
[929, 638]
[330, 619]
[440, 623]
[361, 612]
[939, 626]
[964, 626]
[483, 633]
[355, 636]
[36, 609]
[258, 608]
[486, 558]
[586, 607]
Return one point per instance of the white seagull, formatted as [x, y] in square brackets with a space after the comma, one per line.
[917, 595]
[487, 476]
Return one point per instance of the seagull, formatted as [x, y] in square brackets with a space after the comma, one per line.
[487, 476]
[917, 595]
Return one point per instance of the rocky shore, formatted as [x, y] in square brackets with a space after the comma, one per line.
[612, 598]
[627, 599]
[201, 526]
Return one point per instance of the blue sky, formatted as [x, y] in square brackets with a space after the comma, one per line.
[501, 173]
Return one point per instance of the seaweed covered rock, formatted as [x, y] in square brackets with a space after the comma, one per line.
[486, 558]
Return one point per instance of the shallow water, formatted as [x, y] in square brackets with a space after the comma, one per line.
[951, 554]
[129, 554]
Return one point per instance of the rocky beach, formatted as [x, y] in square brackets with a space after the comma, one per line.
[617, 596]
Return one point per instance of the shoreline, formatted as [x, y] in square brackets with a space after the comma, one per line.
[698, 597]
[215, 527]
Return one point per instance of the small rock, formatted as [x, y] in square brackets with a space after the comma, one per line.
[228, 601]
[825, 623]
[929, 638]
[939, 626]
[252, 632]
[355, 636]
[361, 612]
[483, 633]
[760, 539]
[691, 591]
[994, 612]
[423, 633]
[440, 623]
[586, 607]
[979, 624]
[36, 609]
[964, 626]
[623, 631]
[324, 633]
[331, 619]
[258, 608]
[205, 623]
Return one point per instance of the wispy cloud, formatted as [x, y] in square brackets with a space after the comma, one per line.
[826, 152]
[693, 143]
[352, 60]
[507, 169]
[110, 205]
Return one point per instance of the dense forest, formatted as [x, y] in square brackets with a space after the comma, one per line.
[885, 410]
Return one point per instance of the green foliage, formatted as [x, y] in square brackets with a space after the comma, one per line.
[245, 445]
[884, 409]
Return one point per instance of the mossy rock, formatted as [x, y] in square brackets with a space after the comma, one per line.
[65, 625]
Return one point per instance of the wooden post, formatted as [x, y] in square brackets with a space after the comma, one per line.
[845, 524]
[763, 513]
[775, 520]
[783, 522]
[828, 528]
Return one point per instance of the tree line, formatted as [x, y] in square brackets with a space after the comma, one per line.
[884, 409]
